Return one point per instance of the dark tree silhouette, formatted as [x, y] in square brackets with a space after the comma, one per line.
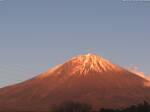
[143, 107]
[82, 107]
[72, 107]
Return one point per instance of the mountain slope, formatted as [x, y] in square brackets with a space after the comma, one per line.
[84, 78]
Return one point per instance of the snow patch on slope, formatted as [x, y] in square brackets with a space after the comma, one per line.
[135, 69]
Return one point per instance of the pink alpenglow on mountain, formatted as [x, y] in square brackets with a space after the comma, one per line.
[85, 78]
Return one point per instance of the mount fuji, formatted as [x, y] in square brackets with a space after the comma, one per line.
[86, 78]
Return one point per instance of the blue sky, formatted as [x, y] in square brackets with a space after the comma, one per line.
[38, 34]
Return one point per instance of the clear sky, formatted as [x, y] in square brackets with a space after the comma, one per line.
[38, 34]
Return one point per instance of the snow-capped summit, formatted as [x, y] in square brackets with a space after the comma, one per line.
[83, 64]
[91, 63]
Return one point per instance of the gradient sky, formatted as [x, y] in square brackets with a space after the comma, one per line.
[38, 34]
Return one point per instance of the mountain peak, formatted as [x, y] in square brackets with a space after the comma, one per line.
[90, 59]
[91, 62]
[82, 65]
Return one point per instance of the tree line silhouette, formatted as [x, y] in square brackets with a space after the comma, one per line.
[82, 107]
